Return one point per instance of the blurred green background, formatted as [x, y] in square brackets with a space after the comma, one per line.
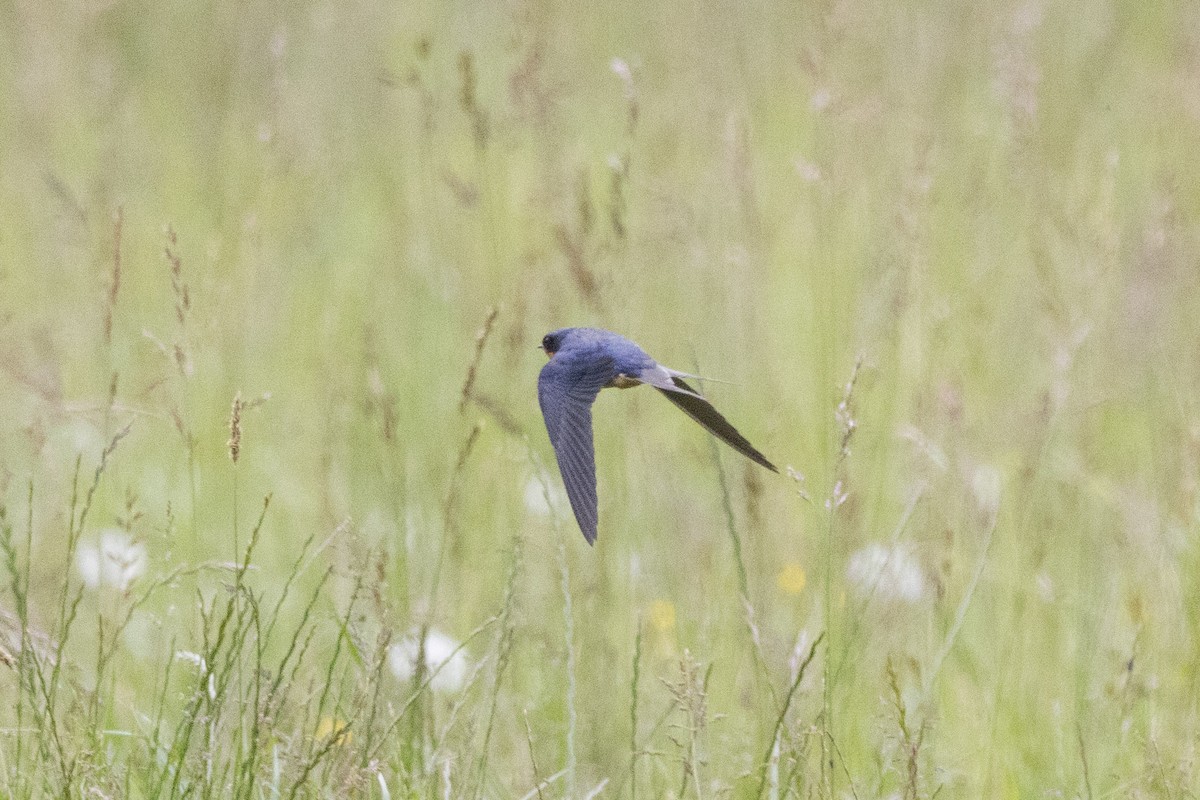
[995, 207]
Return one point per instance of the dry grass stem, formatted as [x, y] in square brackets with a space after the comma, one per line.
[235, 429]
[481, 337]
[114, 280]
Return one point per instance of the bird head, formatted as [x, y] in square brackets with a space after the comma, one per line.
[552, 342]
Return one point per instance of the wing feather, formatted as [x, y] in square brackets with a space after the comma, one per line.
[567, 387]
[695, 406]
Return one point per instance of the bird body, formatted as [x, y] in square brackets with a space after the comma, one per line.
[582, 362]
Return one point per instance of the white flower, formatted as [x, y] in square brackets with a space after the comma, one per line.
[622, 70]
[442, 655]
[808, 170]
[117, 561]
[537, 488]
[76, 437]
[87, 561]
[1045, 586]
[891, 573]
[986, 486]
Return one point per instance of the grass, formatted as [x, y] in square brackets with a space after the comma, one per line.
[270, 285]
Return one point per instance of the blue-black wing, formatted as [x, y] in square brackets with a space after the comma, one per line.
[567, 387]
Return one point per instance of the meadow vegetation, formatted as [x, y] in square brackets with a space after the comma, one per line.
[278, 513]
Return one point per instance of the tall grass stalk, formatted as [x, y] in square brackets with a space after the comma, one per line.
[858, 615]
[504, 646]
[450, 509]
[774, 739]
[181, 357]
[633, 708]
[23, 659]
[838, 494]
[762, 671]
[564, 576]
[960, 613]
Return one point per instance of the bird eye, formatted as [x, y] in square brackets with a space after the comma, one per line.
[548, 343]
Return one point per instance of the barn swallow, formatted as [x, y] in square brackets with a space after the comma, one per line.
[582, 362]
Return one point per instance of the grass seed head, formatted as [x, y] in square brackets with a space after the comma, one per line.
[235, 428]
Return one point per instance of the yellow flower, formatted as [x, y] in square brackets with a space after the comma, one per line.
[791, 579]
[662, 615]
[330, 726]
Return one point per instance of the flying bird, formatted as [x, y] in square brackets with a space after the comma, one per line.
[582, 362]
